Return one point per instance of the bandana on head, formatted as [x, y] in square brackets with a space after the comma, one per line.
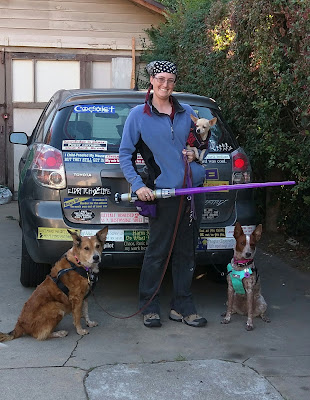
[153, 68]
[156, 67]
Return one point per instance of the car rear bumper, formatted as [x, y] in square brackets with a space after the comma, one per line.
[46, 237]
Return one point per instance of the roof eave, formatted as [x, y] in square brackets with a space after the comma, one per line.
[152, 5]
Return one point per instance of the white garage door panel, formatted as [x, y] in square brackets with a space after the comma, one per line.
[24, 121]
[54, 75]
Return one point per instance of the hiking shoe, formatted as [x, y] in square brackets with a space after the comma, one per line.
[152, 320]
[191, 320]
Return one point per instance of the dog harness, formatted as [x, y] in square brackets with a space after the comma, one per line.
[194, 140]
[237, 276]
[85, 273]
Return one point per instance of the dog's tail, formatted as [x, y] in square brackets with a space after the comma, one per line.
[6, 337]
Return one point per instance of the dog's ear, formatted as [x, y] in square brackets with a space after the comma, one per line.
[258, 232]
[75, 237]
[194, 119]
[102, 234]
[238, 231]
[213, 121]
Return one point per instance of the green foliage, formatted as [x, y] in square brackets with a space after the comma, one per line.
[253, 57]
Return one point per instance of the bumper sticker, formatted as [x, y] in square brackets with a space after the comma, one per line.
[59, 234]
[85, 203]
[216, 183]
[90, 145]
[114, 235]
[212, 173]
[89, 191]
[94, 108]
[94, 158]
[122, 218]
[135, 240]
[83, 215]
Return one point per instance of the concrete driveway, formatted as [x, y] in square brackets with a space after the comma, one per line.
[122, 359]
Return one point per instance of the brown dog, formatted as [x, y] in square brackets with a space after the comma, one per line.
[244, 290]
[199, 139]
[62, 292]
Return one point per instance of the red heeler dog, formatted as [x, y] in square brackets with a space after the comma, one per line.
[62, 292]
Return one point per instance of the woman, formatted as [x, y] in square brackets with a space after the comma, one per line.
[158, 130]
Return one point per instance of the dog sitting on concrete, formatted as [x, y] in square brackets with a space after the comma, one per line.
[198, 139]
[244, 290]
[62, 292]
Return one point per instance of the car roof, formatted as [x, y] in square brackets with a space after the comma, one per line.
[71, 97]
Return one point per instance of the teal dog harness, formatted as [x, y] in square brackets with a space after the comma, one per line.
[237, 277]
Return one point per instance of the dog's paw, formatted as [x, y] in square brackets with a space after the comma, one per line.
[82, 332]
[225, 321]
[249, 327]
[91, 324]
[58, 334]
[223, 314]
[265, 318]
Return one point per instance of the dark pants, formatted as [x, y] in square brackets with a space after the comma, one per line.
[182, 258]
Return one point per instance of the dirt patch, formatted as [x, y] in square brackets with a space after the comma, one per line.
[291, 250]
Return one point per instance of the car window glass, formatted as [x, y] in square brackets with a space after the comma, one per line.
[97, 122]
[45, 122]
[221, 138]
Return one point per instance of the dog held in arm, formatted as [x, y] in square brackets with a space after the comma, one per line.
[244, 290]
[199, 139]
[62, 292]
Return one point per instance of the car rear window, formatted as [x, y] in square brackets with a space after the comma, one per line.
[105, 122]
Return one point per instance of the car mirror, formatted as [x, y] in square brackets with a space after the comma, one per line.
[18, 138]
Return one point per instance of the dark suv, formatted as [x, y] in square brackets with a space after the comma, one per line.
[69, 174]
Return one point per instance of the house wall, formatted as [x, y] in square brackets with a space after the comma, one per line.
[78, 24]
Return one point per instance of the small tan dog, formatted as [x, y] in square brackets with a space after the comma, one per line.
[244, 290]
[62, 292]
[199, 139]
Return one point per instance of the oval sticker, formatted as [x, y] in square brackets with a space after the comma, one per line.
[83, 215]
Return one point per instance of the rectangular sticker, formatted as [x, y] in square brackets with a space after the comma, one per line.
[122, 218]
[94, 108]
[114, 235]
[212, 173]
[55, 234]
[89, 203]
[114, 159]
[220, 243]
[94, 158]
[90, 145]
[216, 183]
[133, 236]
[212, 232]
[136, 240]
[217, 156]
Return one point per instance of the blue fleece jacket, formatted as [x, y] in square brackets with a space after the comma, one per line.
[160, 142]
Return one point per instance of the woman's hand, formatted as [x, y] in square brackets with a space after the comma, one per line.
[145, 194]
[190, 154]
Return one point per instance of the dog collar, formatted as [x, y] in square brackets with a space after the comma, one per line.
[237, 276]
[244, 262]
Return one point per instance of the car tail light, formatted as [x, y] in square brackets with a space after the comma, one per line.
[241, 168]
[48, 167]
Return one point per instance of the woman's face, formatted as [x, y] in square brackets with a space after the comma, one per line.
[163, 84]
